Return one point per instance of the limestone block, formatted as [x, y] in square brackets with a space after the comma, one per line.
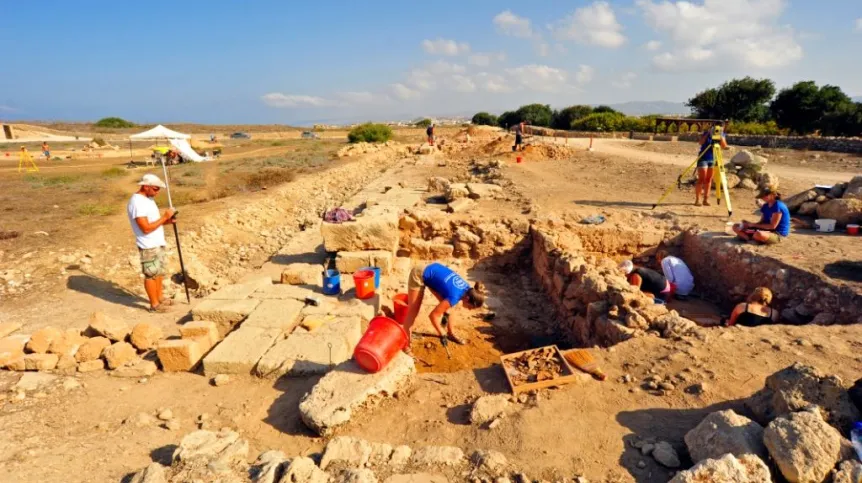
[225, 313]
[240, 351]
[378, 232]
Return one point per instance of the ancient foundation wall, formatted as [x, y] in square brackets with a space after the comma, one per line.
[733, 271]
[837, 145]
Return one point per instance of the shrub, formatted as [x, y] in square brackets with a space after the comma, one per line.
[756, 128]
[423, 123]
[114, 123]
[484, 119]
[114, 172]
[370, 133]
[96, 209]
[601, 121]
[564, 119]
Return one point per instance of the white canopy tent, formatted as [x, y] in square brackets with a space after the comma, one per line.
[177, 139]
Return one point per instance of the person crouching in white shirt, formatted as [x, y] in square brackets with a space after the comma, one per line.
[676, 272]
[147, 224]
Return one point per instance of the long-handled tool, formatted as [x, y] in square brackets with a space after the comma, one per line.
[176, 233]
[444, 339]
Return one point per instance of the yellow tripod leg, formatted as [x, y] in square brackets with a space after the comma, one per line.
[678, 180]
[721, 180]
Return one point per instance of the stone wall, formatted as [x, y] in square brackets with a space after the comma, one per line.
[733, 271]
[837, 145]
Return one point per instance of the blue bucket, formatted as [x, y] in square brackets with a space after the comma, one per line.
[331, 282]
[376, 271]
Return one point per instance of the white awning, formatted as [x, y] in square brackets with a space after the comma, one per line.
[159, 132]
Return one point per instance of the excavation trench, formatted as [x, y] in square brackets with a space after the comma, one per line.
[561, 285]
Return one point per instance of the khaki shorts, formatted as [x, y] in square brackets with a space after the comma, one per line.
[416, 280]
[153, 262]
[773, 239]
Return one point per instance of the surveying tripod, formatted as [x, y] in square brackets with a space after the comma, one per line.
[720, 176]
[25, 159]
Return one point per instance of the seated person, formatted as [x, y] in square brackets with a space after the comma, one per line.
[756, 311]
[449, 289]
[774, 224]
[646, 279]
[676, 272]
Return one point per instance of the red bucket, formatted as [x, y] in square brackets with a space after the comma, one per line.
[852, 229]
[518, 159]
[380, 344]
[400, 306]
[364, 282]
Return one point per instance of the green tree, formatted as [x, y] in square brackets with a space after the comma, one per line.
[601, 121]
[484, 119]
[743, 100]
[535, 114]
[605, 109]
[508, 119]
[802, 107]
[564, 119]
[370, 133]
[114, 123]
[423, 123]
[844, 121]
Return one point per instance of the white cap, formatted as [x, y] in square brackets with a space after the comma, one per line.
[627, 266]
[151, 180]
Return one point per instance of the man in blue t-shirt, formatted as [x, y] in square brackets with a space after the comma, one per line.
[706, 164]
[774, 223]
[449, 288]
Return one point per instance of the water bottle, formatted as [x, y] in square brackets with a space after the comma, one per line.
[856, 439]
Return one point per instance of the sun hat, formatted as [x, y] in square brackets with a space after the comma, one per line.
[627, 266]
[151, 180]
[766, 191]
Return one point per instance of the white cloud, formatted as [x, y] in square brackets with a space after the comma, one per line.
[593, 25]
[539, 77]
[442, 67]
[624, 81]
[584, 74]
[718, 34]
[859, 24]
[357, 97]
[510, 24]
[460, 83]
[277, 99]
[484, 59]
[543, 49]
[445, 47]
[404, 93]
[493, 83]
[653, 45]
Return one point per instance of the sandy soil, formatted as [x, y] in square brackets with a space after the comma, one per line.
[78, 434]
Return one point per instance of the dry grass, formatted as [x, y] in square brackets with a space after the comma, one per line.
[97, 209]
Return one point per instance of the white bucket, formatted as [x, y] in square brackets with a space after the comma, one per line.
[825, 225]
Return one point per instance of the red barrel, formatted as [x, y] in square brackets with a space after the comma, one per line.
[400, 306]
[364, 282]
[380, 343]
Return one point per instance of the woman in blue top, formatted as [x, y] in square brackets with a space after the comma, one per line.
[774, 223]
[706, 165]
[448, 287]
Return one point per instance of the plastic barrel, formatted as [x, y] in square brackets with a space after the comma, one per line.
[400, 306]
[380, 343]
[376, 271]
[331, 282]
[364, 282]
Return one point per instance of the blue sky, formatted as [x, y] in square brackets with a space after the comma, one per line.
[289, 62]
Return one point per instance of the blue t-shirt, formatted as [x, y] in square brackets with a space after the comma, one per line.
[445, 283]
[783, 227]
[706, 148]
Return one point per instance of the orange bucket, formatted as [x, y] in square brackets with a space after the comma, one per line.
[518, 159]
[364, 282]
[400, 306]
[380, 344]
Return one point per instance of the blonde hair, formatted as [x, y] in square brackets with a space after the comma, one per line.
[760, 295]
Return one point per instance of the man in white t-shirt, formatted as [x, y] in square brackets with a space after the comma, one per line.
[147, 224]
[676, 272]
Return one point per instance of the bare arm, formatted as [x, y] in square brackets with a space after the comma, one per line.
[724, 143]
[770, 225]
[147, 227]
[436, 315]
[737, 311]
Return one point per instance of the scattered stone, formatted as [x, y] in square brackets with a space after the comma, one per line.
[303, 469]
[666, 455]
[200, 329]
[495, 423]
[7, 328]
[417, 478]
[67, 344]
[39, 362]
[492, 462]
[667, 386]
[457, 191]
[120, 354]
[154, 473]
[430, 456]
[847, 472]
[180, 354]
[91, 366]
[92, 349]
[166, 415]
[488, 408]
[11, 348]
[268, 467]
[214, 450]
[220, 380]
[70, 384]
[347, 452]
[173, 425]
[725, 432]
[437, 184]
[380, 453]
[803, 445]
[641, 464]
[225, 313]
[484, 191]
[142, 368]
[105, 326]
[141, 420]
[698, 389]
[844, 211]
[34, 381]
[400, 456]
[348, 387]
[145, 336]
[460, 205]
[808, 208]
[362, 475]
[727, 469]
[854, 188]
[302, 274]
[40, 341]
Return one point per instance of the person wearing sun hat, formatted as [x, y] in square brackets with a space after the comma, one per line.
[147, 224]
[774, 224]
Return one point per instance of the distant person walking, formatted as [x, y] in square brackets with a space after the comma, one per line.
[147, 224]
[519, 136]
[706, 164]
[430, 132]
[46, 150]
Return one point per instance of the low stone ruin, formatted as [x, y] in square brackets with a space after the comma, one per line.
[748, 171]
[223, 456]
[842, 203]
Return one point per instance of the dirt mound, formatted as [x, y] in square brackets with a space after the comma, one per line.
[544, 151]
[501, 144]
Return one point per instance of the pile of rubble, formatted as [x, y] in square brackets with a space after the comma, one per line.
[547, 151]
[366, 148]
[223, 456]
[842, 202]
[801, 416]
[747, 171]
